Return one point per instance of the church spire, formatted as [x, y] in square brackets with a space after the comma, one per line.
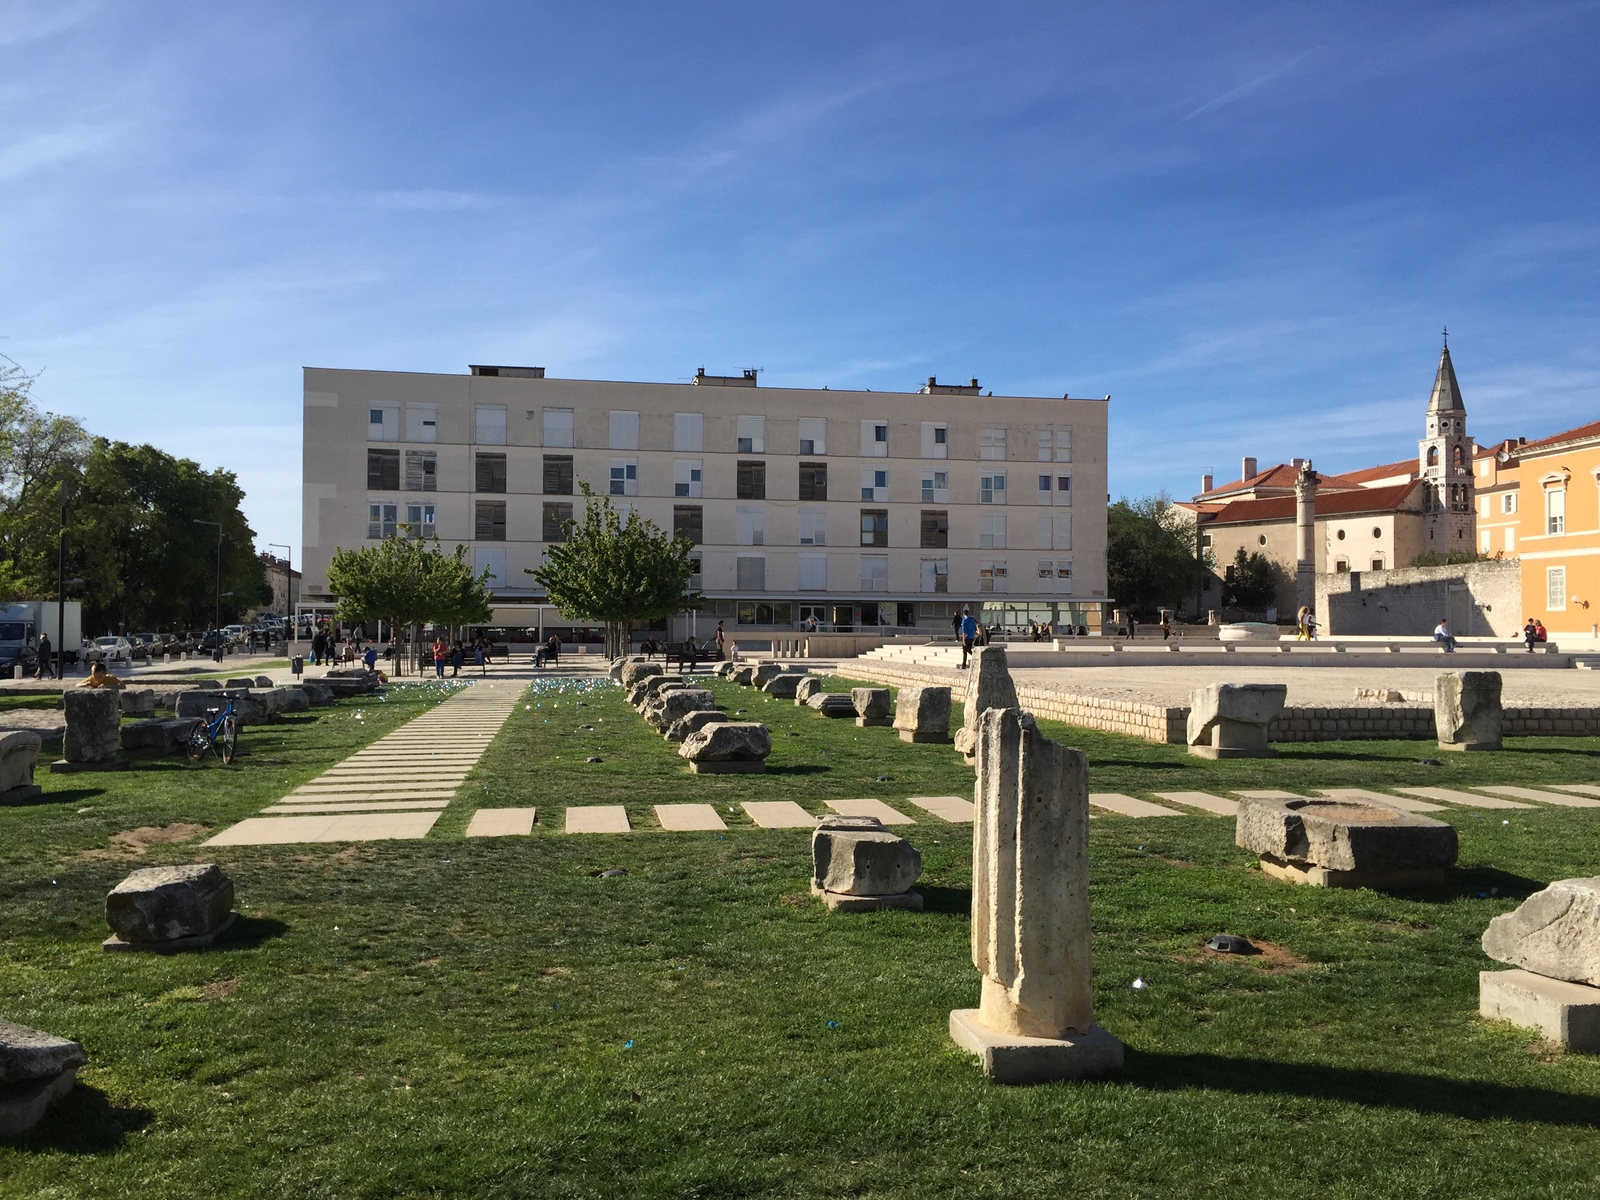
[1446, 391]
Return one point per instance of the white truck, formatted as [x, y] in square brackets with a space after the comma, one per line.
[23, 621]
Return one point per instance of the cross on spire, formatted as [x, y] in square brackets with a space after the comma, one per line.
[1447, 337]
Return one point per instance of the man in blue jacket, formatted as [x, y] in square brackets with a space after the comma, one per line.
[969, 631]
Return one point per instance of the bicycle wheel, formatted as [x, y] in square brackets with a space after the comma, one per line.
[199, 742]
[228, 739]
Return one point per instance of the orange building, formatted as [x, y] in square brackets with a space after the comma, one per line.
[1559, 534]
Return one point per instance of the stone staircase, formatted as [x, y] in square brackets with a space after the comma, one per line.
[931, 654]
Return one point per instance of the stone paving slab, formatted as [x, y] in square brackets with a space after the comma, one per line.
[687, 818]
[354, 806]
[1585, 789]
[1539, 795]
[1364, 796]
[501, 822]
[420, 793]
[1204, 800]
[1128, 806]
[1467, 799]
[280, 831]
[1271, 794]
[947, 808]
[597, 818]
[374, 785]
[778, 814]
[395, 775]
[870, 808]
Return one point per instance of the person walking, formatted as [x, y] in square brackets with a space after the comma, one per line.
[44, 667]
[1302, 624]
[478, 658]
[1441, 634]
[370, 658]
[457, 655]
[1166, 625]
[1133, 626]
[967, 630]
[441, 653]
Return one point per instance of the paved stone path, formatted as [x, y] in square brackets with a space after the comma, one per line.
[396, 787]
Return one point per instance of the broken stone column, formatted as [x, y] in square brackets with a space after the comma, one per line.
[168, 909]
[922, 714]
[1345, 843]
[1229, 720]
[784, 686]
[93, 740]
[871, 705]
[808, 687]
[1466, 710]
[637, 671]
[36, 1070]
[1030, 911]
[989, 686]
[19, 756]
[138, 702]
[1553, 941]
[728, 747]
[859, 866]
[832, 704]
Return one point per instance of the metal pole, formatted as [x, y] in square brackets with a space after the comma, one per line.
[217, 627]
[61, 588]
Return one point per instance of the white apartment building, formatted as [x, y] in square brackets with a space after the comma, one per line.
[858, 509]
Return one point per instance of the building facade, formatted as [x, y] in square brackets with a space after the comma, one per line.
[854, 509]
[1559, 536]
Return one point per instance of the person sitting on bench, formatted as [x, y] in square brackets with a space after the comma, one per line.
[1441, 634]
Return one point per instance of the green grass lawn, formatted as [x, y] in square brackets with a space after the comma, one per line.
[488, 1017]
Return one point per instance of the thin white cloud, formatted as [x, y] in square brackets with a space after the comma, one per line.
[1253, 85]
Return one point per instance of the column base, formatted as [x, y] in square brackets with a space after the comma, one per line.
[115, 945]
[1564, 1012]
[1468, 746]
[873, 722]
[23, 1105]
[922, 738]
[1378, 880]
[1232, 752]
[842, 902]
[732, 766]
[1011, 1058]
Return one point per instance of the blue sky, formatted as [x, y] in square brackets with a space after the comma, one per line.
[1247, 223]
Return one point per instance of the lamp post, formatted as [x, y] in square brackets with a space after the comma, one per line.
[217, 626]
[61, 587]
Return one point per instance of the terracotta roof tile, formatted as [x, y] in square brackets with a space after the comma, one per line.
[1329, 504]
[1570, 435]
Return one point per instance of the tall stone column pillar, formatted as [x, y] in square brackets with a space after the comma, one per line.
[1030, 910]
[1305, 528]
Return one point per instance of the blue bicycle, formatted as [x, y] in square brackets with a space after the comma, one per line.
[217, 733]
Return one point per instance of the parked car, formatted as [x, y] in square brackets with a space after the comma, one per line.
[114, 648]
[156, 643]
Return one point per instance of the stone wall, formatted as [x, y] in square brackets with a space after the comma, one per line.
[1482, 599]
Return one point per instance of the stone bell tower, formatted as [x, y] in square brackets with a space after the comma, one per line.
[1444, 459]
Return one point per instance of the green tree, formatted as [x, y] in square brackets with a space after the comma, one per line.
[617, 572]
[38, 451]
[407, 582]
[1253, 582]
[1150, 553]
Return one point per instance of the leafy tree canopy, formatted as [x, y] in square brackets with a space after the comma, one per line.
[1150, 553]
[1254, 581]
[406, 581]
[617, 572]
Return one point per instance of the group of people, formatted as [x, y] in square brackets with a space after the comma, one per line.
[690, 651]
[454, 655]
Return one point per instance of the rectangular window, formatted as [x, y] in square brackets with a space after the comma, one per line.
[752, 435]
[1047, 485]
[935, 440]
[813, 481]
[936, 487]
[752, 526]
[688, 521]
[383, 470]
[874, 439]
[624, 430]
[936, 575]
[557, 516]
[383, 423]
[1555, 509]
[422, 422]
[1055, 531]
[874, 572]
[697, 579]
[1064, 490]
[494, 562]
[813, 527]
[1508, 502]
[1511, 541]
[992, 575]
[992, 443]
[935, 530]
[1055, 444]
[557, 475]
[383, 520]
[1055, 576]
[490, 473]
[874, 527]
[419, 521]
[813, 572]
[751, 481]
[992, 531]
[1064, 443]
[992, 488]
[688, 478]
[1555, 588]
[624, 477]
[422, 470]
[491, 521]
[750, 573]
[688, 432]
[875, 485]
[558, 427]
[489, 425]
[1377, 564]
[813, 435]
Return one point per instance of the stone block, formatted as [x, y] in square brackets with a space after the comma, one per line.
[652, 686]
[243, 684]
[673, 705]
[317, 692]
[725, 670]
[727, 741]
[636, 671]
[806, 687]
[857, 856]
[1554, 932]
[1344, 843]
[166, 735]
[1017, 1059]
[137, 702]
[1229, 720]
[29, 1054]
[94, 726]
[989, 685]
[744, 674]
[832, 704]
[165, 904]
[1564, 1012]
[19, 758]
[923, 714]
[765, 673]
[23, 1105]
[296, 700]
[692, 723]
[784, 686]
[871, 705]
[264, 681]
[1466, 710]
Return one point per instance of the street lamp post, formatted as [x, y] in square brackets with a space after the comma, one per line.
[217, 626]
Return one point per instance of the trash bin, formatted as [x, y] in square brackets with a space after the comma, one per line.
[297, 664]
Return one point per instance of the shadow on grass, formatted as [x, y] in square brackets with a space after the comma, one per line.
[1464, 882]
[1471, 1099]
[248, 933]
[1096, 761]
[799, 769]
[70, 796]
[956, 901]
[84, 1121]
